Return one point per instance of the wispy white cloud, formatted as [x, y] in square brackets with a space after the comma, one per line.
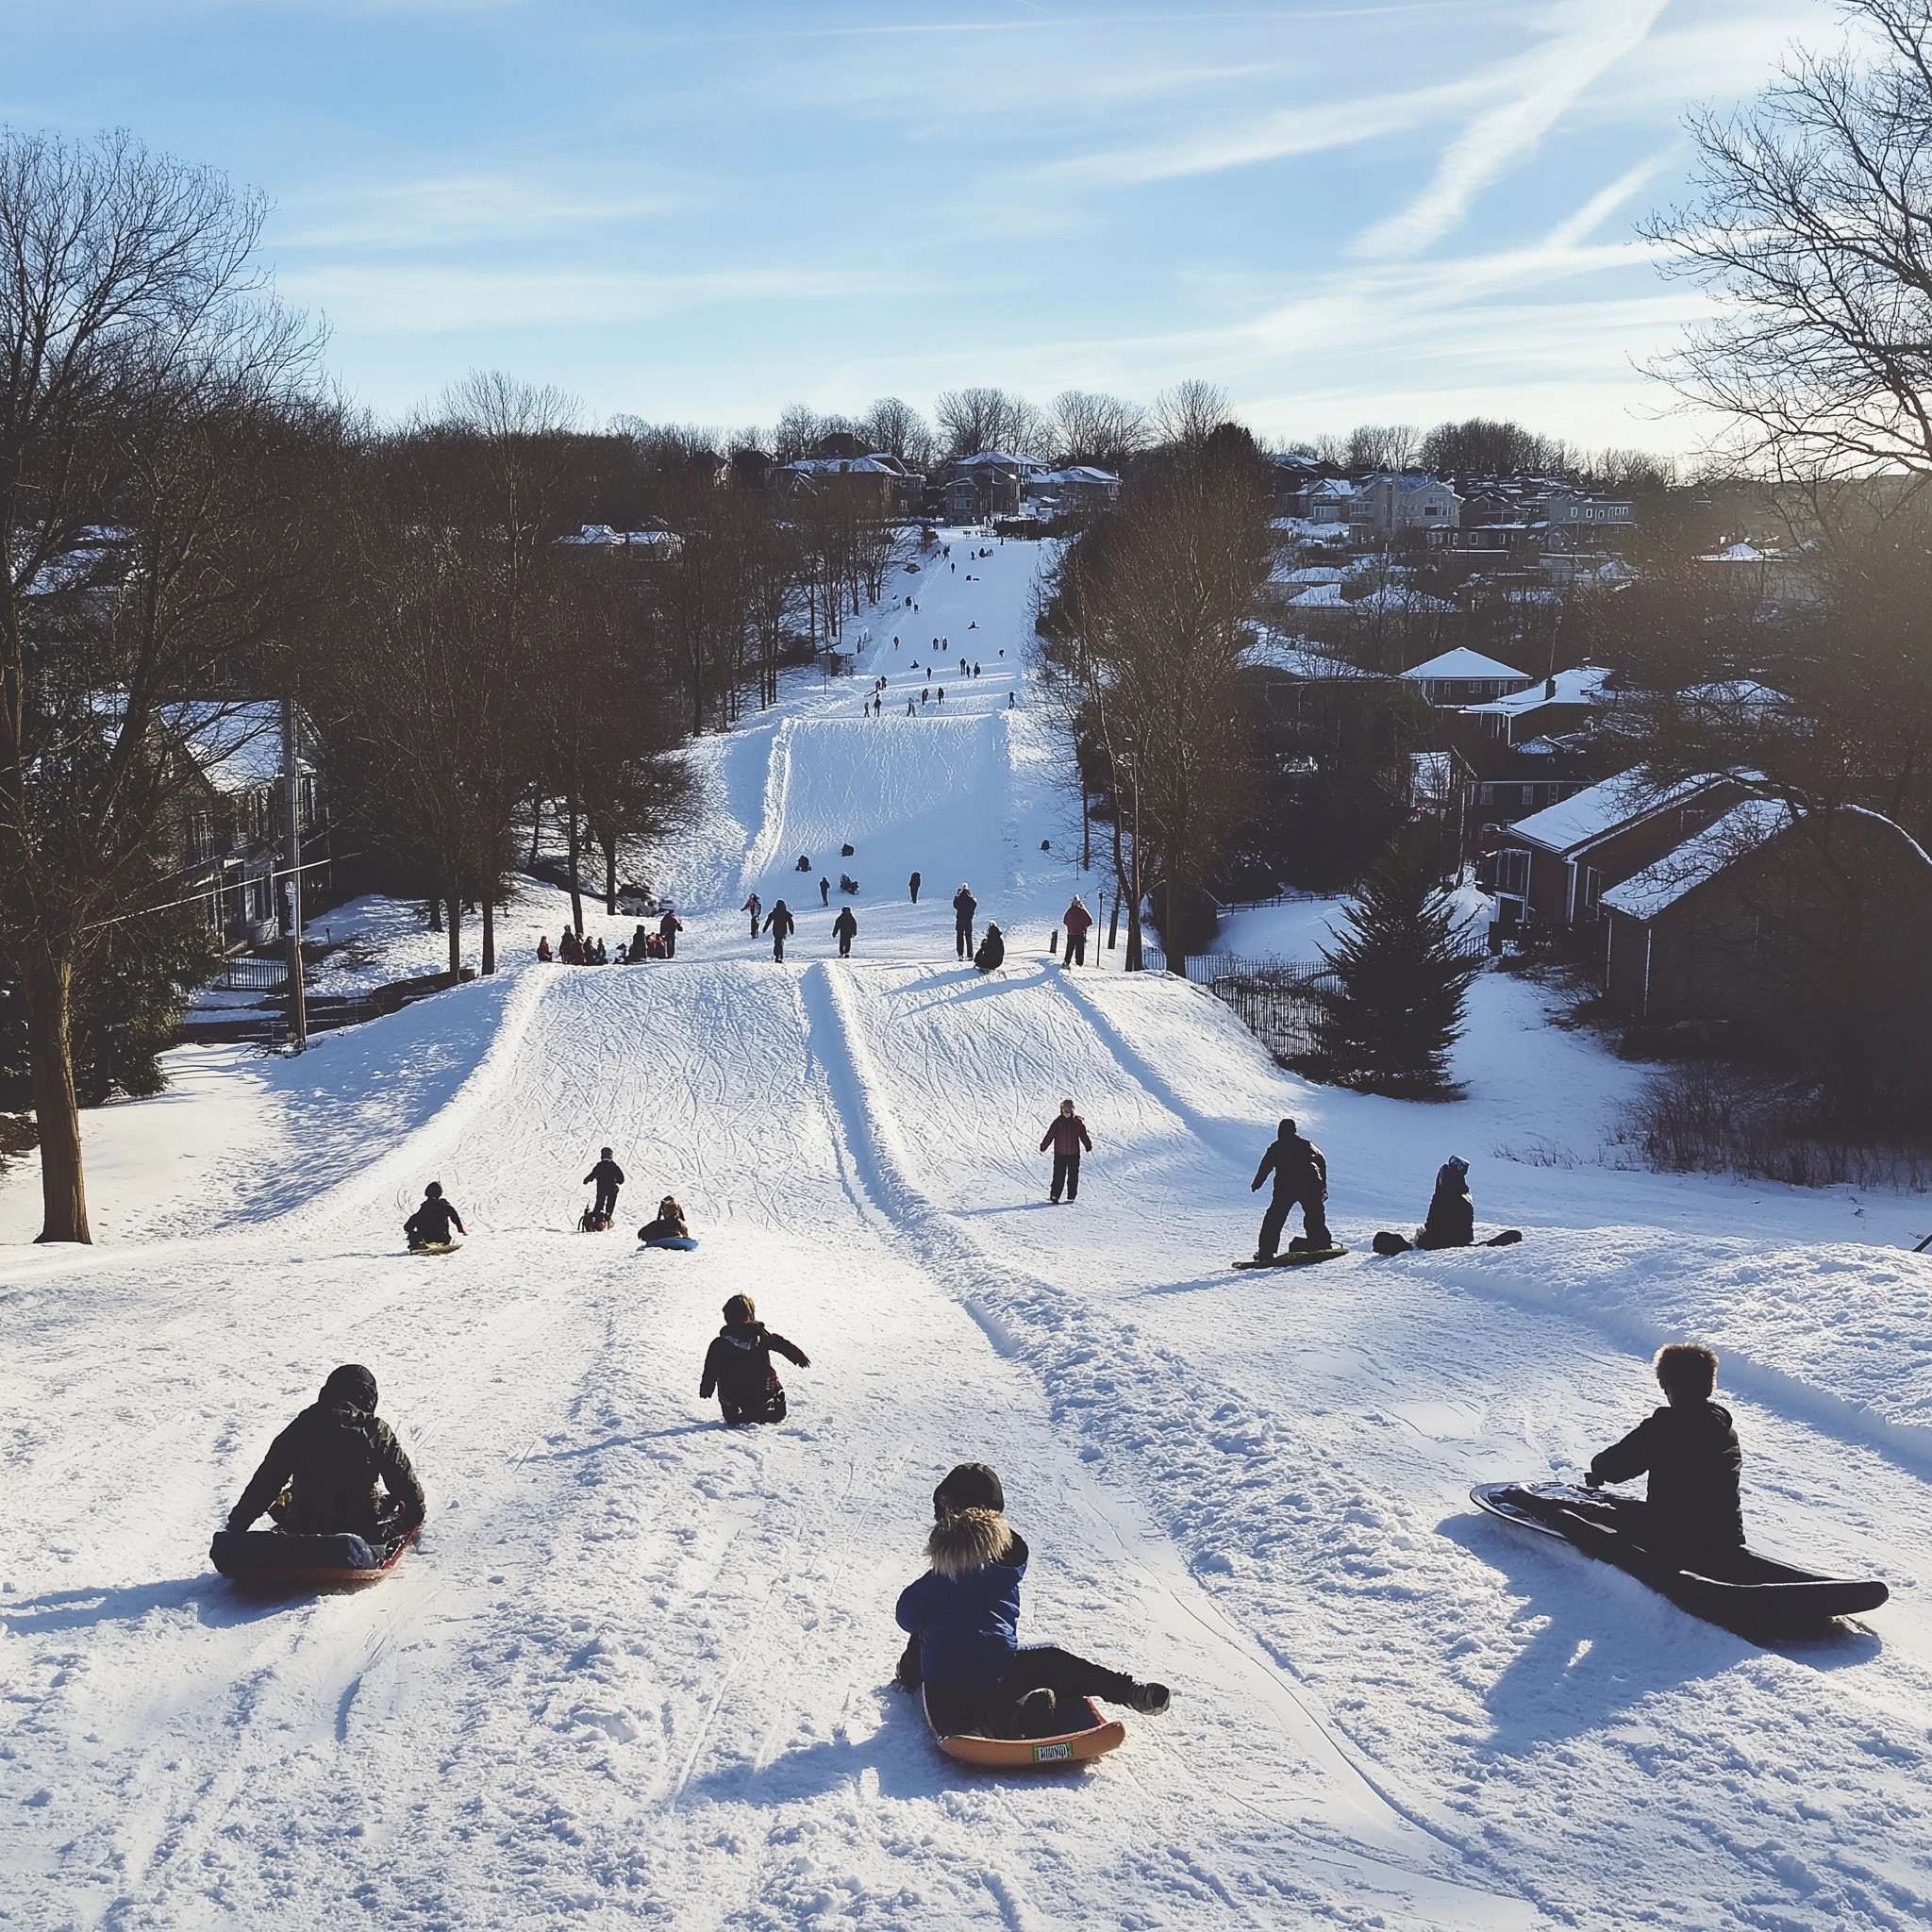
[1600, 205]
[1594, 35]
[456, 208]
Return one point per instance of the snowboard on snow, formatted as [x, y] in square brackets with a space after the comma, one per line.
[1389, 1244]
[1293, 1258]
[1742, 1588]
[1094, 1738]
[276, 1560]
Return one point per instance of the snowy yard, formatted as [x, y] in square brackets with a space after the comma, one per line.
[637, 1669]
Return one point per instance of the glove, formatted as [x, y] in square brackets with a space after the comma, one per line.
[1592, 1481]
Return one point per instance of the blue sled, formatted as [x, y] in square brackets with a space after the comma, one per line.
[684, 1243]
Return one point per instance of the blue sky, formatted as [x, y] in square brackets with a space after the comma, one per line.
[1340, 210]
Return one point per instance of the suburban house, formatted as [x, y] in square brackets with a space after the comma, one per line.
[1462, 677]
[1078, 489]
[1328, 501]
[989, 484]
[231, 821]
[1392, 505]
[1552, 868]
[655, 539]
[1738, 924]
[1515, 780]
[876, 484]
[1565, 702]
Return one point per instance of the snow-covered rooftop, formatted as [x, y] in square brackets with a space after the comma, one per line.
[1463, 662]
[1275, 651]
[1602, 807]
[1748, 825]
[1737, 693]
[1582, 684]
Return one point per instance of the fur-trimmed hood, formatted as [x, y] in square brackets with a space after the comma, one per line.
[968, 1540]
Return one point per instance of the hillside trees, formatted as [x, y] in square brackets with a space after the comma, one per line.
[1146, 633]
[158, 432]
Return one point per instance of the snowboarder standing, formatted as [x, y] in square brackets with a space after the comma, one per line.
[965, 907]
[430, 1224]
[607, 1177]
[739, 1366]
[780, 924]
[846, 928]
[330, 1459]
[912, 885]
[963, 1618]
[1066, 1134]
[1301, 1180]
[1078, 922]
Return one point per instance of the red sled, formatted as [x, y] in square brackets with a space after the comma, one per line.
[274, 1561]
[1094, 1738]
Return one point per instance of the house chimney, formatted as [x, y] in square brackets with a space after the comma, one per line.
[1549, 688]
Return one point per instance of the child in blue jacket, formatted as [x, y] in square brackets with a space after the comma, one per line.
[964, 1614]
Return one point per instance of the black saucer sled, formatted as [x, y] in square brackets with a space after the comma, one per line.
[1742, 1588]
[1094, 1738]
[274, 1559]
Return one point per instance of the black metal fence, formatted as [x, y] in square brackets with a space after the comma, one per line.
[244, 975]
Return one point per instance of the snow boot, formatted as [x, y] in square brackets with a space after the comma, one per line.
[1150, 1700]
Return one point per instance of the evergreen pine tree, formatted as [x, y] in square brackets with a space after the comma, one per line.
[1388, 1026]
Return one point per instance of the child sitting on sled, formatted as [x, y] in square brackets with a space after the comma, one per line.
[963, 1615]
[1689, 1450]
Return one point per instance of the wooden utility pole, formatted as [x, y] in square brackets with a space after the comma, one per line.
[291, 860]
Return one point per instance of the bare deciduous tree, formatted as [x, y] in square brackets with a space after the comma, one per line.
[974, 420]
[1101, 429]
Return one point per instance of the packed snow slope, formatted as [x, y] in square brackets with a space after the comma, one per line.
[638, 1668]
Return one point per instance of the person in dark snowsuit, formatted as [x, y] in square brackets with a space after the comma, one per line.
[433, 1219]
[754, 908]
[1689, 1450]
[846, 927]
[963, 1618]
[824, 891]
[607, 1177]
[1301, 1180]
[992, 950]
[780, 924]
[1078, 922]
[1451, 1219]
[330, 1459]
[668, 929]
[913, 884]
[1066, 1134]
[739, 1366]
[965, 907]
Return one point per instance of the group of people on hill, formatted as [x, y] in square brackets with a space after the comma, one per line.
[577, 949]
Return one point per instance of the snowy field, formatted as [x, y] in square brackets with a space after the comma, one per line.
[637, 1669]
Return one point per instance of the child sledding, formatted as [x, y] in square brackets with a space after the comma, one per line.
[737, 1366]
[987, 1699]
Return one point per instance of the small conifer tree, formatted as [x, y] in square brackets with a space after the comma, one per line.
[1403, 971]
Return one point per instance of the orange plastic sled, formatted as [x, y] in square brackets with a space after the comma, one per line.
[1094, 1740]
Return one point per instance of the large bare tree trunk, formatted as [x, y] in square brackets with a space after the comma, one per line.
[456, 934]
[575, 848]
[489, 934]
[46, 981]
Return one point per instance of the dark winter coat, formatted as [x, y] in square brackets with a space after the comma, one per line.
[1691, 1456]
[781, 920]
[1451, 1222]
[669, 924]
[606, 1173]
[1299, 1167]
[331, 1457]
[1067, 1134]
[965, 1610]
[965, 907]
[992, 951]
[738, 1365]
[1077, 921]
[432, 1221]
[845, 927]
[664, 1229]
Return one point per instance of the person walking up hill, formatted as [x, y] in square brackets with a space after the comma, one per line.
[1066, 1134]
[780, 924]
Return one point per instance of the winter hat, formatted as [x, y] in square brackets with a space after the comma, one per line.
[604, 1153]
[1286, 1128]
[1453, 1174]
[741, 1311]
[353, 1384]
[433, 1191]
[971, 1486]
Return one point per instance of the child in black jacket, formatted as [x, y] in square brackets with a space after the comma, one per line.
[1689, 1450]
[739, 1366]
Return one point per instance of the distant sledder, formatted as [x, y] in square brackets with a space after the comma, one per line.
[1685, 1539]
[669, 1228]
[987, 1700]
[1301, 1180]
[1450, 1219]
[427, 1230]
[318, 1481]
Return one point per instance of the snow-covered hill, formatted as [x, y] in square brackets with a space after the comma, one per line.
[638, 1668]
